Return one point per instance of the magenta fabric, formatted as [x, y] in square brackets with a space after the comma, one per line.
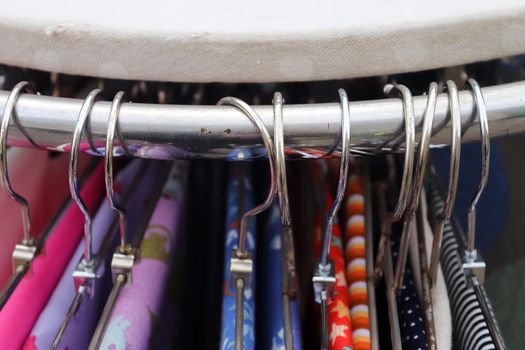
[136, 311]
[23, 308]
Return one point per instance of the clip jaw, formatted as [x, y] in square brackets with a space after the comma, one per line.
[241, 267]
[85, 275]
[123, 260]
[324, 282]
[23, 254]
[474, 264]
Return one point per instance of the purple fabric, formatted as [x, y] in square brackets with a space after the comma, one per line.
[81, 327]
[136, 311]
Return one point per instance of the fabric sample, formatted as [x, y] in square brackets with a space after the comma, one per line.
[410, 313]
[136, 310]
[270, 268]
[240, 199]
[81, 327]
[339, 323]
[471, 330]
[34, 290]
[356, 263]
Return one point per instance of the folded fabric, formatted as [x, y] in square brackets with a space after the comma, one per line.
[240, 199]
[42, 179]
[339, 323]
[135, 314]
[56, 309]
[23, 308]
[270, 313]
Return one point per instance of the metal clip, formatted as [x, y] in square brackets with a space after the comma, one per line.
[474, 264]
[241, 267]
[123, 261]
[23, 254]
[324, 282]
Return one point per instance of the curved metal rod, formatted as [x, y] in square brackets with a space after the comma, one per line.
[343, 176]
[73, 182]
[417, 184]
[267, 139]
[4, 128]
[455, 154]
[289, 278]
[108, 168]
[485, 166]
[410, 142]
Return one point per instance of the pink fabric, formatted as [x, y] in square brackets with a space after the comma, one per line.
[42, 180]
[31, 295]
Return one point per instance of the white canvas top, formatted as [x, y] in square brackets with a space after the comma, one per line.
[256, 41]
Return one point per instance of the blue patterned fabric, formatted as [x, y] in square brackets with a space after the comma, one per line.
[270, 270]
[410, 313]
[228, 302]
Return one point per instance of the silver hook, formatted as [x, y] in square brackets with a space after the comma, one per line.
[125, 255]
[410, 141]
[26, 250]
[289, 285]
[113, 129]
[417, 185]
[455, 154]
[324, 275]
[471, 255]
[241, 264]
[407, 179]
[73, 183]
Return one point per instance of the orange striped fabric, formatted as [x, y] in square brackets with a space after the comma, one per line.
[355, 262]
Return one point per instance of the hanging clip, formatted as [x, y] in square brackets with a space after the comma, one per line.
[241, 264]
[472, 261]
[324, 275]
[27, 249]
[87, 267]
[125, 255]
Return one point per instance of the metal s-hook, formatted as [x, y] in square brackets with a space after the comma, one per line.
[471, 259]
[417, 184]
[289, 285]
[26, 250]
[241, 264]
[125, 255]
[455, 154]
[324, 275]
[73, 183]
[406, 181]
[86, 268]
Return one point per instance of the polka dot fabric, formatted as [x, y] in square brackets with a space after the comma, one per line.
[339, 325]
[355, 262]
[410, 314]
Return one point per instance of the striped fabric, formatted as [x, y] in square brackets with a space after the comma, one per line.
[471, 330]
[355, 262]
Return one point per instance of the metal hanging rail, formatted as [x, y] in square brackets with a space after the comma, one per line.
[194, 131]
